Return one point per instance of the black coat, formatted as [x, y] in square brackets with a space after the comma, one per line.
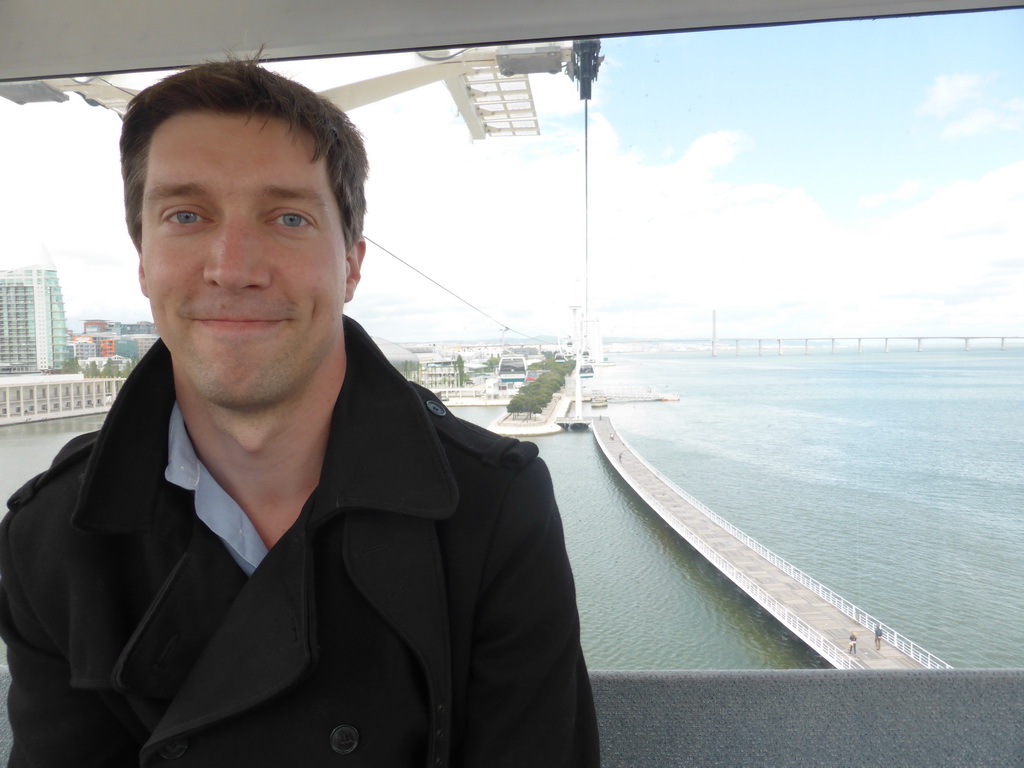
[420, 613]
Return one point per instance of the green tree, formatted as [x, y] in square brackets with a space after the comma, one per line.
[533, 397]
[71, 365]
[460, 370]
[515, 406]
[92, 371]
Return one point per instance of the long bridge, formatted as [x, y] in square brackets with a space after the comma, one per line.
[780, 343]
[810, 610]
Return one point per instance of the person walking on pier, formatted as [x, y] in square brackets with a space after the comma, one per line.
[853, 643]
[277, 551]
[878, 637]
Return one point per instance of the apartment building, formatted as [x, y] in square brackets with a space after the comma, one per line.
[33, 329]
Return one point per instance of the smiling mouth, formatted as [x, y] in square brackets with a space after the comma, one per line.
[237, 325]
[239, 320]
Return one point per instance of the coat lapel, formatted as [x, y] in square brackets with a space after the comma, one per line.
[264, 644]
[395, 562]
[186, 612]
[262, 647]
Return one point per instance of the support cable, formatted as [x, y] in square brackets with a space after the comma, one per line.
[447, 290]
[586, 61]
[586, 208]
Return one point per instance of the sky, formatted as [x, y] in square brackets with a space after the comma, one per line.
[833, 179]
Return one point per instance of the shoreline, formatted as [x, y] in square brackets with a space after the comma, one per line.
[38, 418]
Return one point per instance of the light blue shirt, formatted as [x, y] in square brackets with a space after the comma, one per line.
[214, 507]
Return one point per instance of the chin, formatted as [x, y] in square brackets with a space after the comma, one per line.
[241, 390]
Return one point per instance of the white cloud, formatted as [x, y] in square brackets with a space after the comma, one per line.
[965, 104]
[906, 191]
[941, 264]
[984, 120]
[712, 151]
[769, 255]
[949, 93]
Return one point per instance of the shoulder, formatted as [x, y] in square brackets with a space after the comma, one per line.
[60, 483]
[505, 491]
[74, 455]
[36, 533]
[490, 450]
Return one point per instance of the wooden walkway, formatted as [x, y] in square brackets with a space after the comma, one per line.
[770, 581]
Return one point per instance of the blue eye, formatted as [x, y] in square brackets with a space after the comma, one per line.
[292, 220]
[185, 217]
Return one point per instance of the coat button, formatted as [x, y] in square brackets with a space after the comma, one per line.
[436, 408]
[172, 750]
[344, 739]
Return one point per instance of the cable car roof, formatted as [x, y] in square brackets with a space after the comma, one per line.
[39, 40]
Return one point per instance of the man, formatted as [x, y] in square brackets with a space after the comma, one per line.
[277, 552]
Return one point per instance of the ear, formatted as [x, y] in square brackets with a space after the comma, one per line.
[354, 266]
[142, 277]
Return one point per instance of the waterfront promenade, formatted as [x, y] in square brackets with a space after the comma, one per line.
[28, 398]
[815, 614]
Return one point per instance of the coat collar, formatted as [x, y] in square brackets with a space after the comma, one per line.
[383, 452]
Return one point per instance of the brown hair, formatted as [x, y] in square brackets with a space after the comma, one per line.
[243, 87]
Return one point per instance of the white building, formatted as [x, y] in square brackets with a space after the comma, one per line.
[35, 398]
[33, 329]
[82, 349]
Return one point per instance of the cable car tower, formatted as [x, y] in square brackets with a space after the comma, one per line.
[587, 62]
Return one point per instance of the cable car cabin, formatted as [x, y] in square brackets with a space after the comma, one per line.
[647, 719]
[512, 370]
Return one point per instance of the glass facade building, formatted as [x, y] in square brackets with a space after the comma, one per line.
[33, 329]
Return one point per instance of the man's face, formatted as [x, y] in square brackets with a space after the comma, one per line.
[243, 259]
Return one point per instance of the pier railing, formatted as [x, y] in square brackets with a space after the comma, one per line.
[628, 393]
[811, 636]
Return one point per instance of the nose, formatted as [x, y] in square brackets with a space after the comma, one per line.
[236, 260]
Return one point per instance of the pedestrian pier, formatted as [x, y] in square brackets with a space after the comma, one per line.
[627, 394]
[809, 609]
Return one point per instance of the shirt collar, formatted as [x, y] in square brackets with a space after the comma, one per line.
[183, 466]
[214, 506]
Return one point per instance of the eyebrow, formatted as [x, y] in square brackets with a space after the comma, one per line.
[160, 192]
[301, 194]
[167, 191]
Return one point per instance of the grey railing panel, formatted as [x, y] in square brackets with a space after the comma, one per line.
[796, 719]
[5, 729]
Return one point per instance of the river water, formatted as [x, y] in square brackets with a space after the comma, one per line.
[894, 478]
